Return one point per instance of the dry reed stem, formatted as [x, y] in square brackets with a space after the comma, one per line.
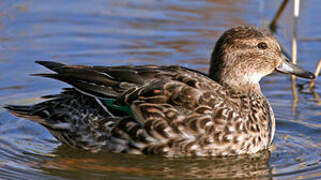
[316, 73]
[295, 95]
[316, 97]
[296, 9]
[273, 25]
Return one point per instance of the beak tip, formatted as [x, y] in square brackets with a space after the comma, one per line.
[308, 75]
[311, 75]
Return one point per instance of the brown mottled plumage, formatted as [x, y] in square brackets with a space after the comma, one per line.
[169, 110]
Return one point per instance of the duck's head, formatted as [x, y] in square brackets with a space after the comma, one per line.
[243, 55]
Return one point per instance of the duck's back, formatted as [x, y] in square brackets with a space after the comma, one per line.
[166, 110]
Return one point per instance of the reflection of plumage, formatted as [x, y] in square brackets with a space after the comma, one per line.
[167, 110]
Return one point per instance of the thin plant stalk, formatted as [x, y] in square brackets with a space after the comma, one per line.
[296, 11]
[316, 73]
[273, 24]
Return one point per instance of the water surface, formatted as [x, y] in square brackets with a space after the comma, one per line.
[112, 32]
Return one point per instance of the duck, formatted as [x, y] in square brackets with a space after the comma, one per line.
[168, 110]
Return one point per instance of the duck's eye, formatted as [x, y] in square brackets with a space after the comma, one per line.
[262, 45]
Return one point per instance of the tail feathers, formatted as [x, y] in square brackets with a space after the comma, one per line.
[54, 66]
[27, 112]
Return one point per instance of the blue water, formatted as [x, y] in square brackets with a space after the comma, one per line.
[112, 32]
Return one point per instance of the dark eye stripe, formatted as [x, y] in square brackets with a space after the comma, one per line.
[243, 46]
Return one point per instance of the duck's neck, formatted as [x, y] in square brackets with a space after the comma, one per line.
[243, 84]
[246, 88]
[238, 75]
[240, 80]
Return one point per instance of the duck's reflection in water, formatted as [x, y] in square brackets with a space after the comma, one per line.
[254, 166]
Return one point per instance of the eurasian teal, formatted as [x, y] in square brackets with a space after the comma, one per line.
[169, 110]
